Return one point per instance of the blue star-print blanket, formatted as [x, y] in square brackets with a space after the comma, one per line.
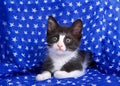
[23, 25]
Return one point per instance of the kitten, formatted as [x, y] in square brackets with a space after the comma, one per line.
[64, 60]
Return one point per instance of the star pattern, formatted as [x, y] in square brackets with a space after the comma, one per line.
[23, 44]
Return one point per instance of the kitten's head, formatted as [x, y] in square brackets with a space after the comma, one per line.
[63, 38]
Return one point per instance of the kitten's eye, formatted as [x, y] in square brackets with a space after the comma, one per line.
[68, 40]
[54, 39]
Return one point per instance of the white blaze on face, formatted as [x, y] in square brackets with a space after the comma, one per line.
[60, 44]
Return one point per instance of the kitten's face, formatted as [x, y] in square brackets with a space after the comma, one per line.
[62, 39]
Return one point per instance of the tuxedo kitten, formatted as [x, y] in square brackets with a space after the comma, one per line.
[64, 60]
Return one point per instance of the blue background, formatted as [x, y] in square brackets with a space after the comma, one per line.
[23, 46]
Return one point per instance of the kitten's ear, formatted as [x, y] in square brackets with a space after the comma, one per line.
[77, 28]
[52, 23]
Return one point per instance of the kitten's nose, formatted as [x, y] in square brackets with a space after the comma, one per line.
[59, 46]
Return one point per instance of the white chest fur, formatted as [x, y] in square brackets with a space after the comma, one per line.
[60, 60]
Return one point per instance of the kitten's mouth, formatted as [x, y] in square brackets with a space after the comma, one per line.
[59, 49]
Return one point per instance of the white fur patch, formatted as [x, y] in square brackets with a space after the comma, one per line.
[60, 59]
[60, 42]
[64, 74]
[45, 75]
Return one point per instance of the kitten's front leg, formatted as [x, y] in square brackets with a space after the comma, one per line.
[64, 74]
[43, 76]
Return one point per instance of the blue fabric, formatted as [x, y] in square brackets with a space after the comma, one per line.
[23, 46]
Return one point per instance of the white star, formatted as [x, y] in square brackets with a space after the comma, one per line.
[115, 28]
[49, 8]
[75, 11]
[103, 36]
[108, 41]
[68, 13]
[25, 32]
[9, 70]
[98, 30]
[72, 20]
[25, 10]
[56, 7]
[86, 1]
[22, 39]
[115, 37]
[88, 17]
[32, 48]
[70, 4]
[118, 68]
[32, 33]
[20, 59]
[60, 14]
[34, 10]
[100, 39]
[21, 2]
[116, 19]
[91, 7]
[45, 1]
[9, 32]
[117, 9]
[29, 2]
[11, 46]
[39, 33]
[18, 9]
[15, 17]
[78, 4]
[109, 32]
[97, 3]
[4, 23]
[19, 47]
[23, 18]
[84, 10]
[118, 54]
[36, 2]
[63, 4]
[64, 21]
[29, 40]
[42, 9]
[16, 31]
[23, 54]
[12, 24]
[15, 54]
[10, 9]
[36, 26]
[53, 0]
[43, 40]
[43, 25]
[85, 42]
[93, 39]
[31, 17]
[97, 60]
[97, 46]
[6, 64]
[20, 25]
[110, 15]
[5, 3]
[101, 9]
[58, 82]
[108, 50]
[35, 41]
[106, 2]
[27, 25]
[26, 48]
[14, 39]
[111, 7]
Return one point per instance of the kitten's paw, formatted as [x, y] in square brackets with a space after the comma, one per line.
[60, 74]
[43, 76]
